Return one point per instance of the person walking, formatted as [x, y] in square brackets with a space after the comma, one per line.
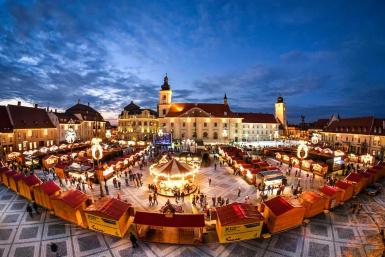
[209, 181]
[133, 240]
[36, 208]
[155, 199]
[239, 191]
[29, 210]
[150, 199]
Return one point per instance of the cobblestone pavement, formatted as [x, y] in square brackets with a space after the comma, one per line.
[338, 233]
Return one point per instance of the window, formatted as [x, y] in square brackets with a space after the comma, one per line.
[183, 124]
[215, 135]
[225, 125]
[182, 135]
[215, 124]
[205, 125]
[164, 97]
[205, 135]
[172, 124]
[194, 124]
[164, 111]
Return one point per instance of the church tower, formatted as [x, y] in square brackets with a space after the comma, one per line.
[165, 95]
[280, 112]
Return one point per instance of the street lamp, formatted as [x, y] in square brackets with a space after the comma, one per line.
[97, 154]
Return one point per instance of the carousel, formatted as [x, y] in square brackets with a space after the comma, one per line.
[174, 176]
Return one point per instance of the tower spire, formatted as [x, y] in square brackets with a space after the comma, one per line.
[165, 85]
[225, 99]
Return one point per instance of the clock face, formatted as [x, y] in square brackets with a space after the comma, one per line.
[70, 136]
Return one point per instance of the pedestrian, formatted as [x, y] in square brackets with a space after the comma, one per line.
[239, 191]
[209, 181]
[213, 199]
[227, 201]
[215, 166]
[133, 240]
[126, 180]
[155, 199]
[36, 208]
[150, 199]
[119, 185]
[29, 210]
[182, 196]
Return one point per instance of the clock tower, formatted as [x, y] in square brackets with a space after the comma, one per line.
[165, 95]
[280, 112]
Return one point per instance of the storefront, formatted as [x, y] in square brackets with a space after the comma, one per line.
[109, 215]
[170, 228]
[238, 221]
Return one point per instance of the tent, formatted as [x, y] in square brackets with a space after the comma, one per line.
[238, 221]
[313, 202]
[26, 185]
[109, 215]
[43, 192]
[70, 205]
[281, 214]
[13, 181]
[169, 227]
[333, 196]
[357, 180]
[347, 190]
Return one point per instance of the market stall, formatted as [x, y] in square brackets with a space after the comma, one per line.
[109, 215]
[313, 202]
[320, 168]
[376, 173]
[171, 228]
[2, 175]
[70, 205]
[44, 192]
[26, 185]
[7, 176]
[294, 161]
[286, 158]
[357, 180]
[59, 169]
[281, 214]
[13, 181]
[368, 178]
[333, 196]
[270, 178]
[347, 190]
[238, 221]
[50, 161]
[306, 165]
[251, 175]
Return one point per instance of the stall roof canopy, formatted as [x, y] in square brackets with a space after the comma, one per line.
[328, 190]
[73, 198]
[110, 208]
[10, 173]
[342, 184]
[3, 169]
[18, 176]
[49, 187]
[279, 205]
[177, 220]
[238, 214]
[310, 196]
[31, 180]
[354, 177]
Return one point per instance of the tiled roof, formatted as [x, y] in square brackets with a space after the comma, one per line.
[73, 198]
[66, 117]
[133, 109]
[85, 111]
[358, 125]
[107, 207]
[249, 117]
[238, 214]
[279, 205]
[49, 187]
[31, 180]
[320, 124]
[5, 122]
[328, 190]
[29, 117]
[201, 110]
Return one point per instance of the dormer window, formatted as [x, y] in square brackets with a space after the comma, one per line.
[225, 113]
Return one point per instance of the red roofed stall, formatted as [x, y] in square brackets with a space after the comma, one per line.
[13, 181]
[2, 171]
[70, 205]
[238, 221]
[169, 227]
[333, 196]
[313, 202]
[376, 171]
[109, 215]
[347, 190]
[26, 185]
[357, 180]
[7, 176]
[281, 214]
[43, 193]
[251, 175]
[368, 177]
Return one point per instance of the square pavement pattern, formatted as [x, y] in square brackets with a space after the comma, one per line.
[338, 233]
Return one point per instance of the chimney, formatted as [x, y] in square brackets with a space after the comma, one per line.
[88, 103]
[19, 103]
[35, 105]
[55, 110]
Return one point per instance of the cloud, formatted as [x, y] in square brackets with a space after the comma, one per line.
[29, 60]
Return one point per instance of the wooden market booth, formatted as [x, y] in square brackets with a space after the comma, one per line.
[281, 214]
[43, 193]
[2, 171]
[70, 205]
[251, 175]
[109, 215]
[347, 190]
[14, 181]
[7, 175]
[307, 165]
[333, 196]
[357, 180]
[376, 173]
[50, 161]
[169, 227]
[238, 221]
[368, 177]
[59, 169]
[26, 185]
[320, 168]
[313, 202]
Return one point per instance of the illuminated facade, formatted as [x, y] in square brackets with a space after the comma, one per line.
[135, 123]
[280, 112]
[259, 126]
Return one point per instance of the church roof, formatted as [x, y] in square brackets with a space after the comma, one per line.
[250, 117]
[215, 110]
[133, 109]
[5, 122]
[165, 85]
[87, 112]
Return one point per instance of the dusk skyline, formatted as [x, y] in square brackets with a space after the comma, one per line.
[322, 58]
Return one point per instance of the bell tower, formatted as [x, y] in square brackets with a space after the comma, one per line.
[165, 95]
[280, 112]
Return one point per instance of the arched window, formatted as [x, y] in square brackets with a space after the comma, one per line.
[205, 135]
[215, 136]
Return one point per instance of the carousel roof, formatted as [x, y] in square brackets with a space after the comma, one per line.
[174, 167]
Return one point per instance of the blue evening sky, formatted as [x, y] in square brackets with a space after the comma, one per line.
[323, 57]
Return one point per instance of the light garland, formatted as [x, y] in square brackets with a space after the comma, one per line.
[302, 147]
[70, 136]
[96, 149]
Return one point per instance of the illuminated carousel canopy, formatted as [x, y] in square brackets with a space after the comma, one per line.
[173, 169]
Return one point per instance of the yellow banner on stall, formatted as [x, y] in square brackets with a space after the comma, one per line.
[103, 225]
[240, 232]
